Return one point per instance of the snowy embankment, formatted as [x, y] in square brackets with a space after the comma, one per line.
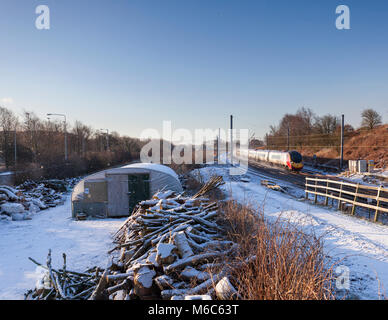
[360, 245]
[85, 243]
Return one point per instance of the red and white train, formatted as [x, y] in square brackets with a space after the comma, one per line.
[290, 159]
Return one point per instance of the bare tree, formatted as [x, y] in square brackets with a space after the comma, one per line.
[34, 128]
[8, 123]
[307, 116]
[254, 142]
[326, 124]
[82, 134]
[370, 118]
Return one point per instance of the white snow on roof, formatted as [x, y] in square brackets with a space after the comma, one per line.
[153, 166]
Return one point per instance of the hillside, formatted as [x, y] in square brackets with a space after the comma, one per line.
[361, 144]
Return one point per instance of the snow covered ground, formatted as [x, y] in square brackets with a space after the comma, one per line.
[360, 245]
[373, 179]
[85, 243]
[378, 178]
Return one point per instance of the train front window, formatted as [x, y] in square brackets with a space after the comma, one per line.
[296, 157]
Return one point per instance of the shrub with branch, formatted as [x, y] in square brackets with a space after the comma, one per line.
[276, 261]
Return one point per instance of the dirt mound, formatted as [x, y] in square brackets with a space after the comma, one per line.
[361, 144]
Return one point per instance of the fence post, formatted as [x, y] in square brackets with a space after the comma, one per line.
[377, 205]
[355, 199]
[316, 196]
[307, 192]
[327, 198]
[340, 195]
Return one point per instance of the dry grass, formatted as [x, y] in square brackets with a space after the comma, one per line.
[275, 261]
[360, 144]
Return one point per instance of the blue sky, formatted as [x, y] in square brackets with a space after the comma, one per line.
[128, 65]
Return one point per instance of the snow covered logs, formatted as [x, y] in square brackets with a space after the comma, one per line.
[30, 197]
[167, 248]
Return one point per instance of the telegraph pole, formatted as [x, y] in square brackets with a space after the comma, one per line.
[342, 141]
[288, 138]
[107, 138]
[231, 140]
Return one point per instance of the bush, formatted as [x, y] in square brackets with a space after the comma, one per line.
[276, 261]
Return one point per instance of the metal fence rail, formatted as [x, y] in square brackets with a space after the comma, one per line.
[355, 195]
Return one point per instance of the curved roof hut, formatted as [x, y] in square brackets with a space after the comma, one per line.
[115, 192]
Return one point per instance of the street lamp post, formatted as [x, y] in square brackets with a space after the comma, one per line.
[107, 138]
[65, 124]
[15, 149]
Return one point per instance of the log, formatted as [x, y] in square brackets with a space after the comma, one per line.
[165, 253]
[125, 285]
[164, 282]
[202, 288]
[198, 297]
[190, 273]
[192, 260]
[99, 292]
[162, 236]
[118, 277]
[182, 244]
[143, 281]
[226, 291]
[198, 238]
[121, 295]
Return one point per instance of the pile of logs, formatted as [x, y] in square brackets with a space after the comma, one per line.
[63, 284]
[170, 248]
[30, 197]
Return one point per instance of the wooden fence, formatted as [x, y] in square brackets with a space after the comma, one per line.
[349, 194]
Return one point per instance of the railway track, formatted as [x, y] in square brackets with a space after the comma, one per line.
[265, 171]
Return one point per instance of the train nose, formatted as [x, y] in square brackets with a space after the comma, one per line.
[297, 165]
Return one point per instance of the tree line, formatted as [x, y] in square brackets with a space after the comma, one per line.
[35, 147]
[305, 130]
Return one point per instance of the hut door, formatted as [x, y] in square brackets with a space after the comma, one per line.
[117, 200]
[138, 189]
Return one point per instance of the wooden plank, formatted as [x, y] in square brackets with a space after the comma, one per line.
[317, 179]
[362, 186]
[340, 197]
[360, 204]
[360, 195]
[327, 198]
[355, 200]
[337, 186]
[377, 205]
